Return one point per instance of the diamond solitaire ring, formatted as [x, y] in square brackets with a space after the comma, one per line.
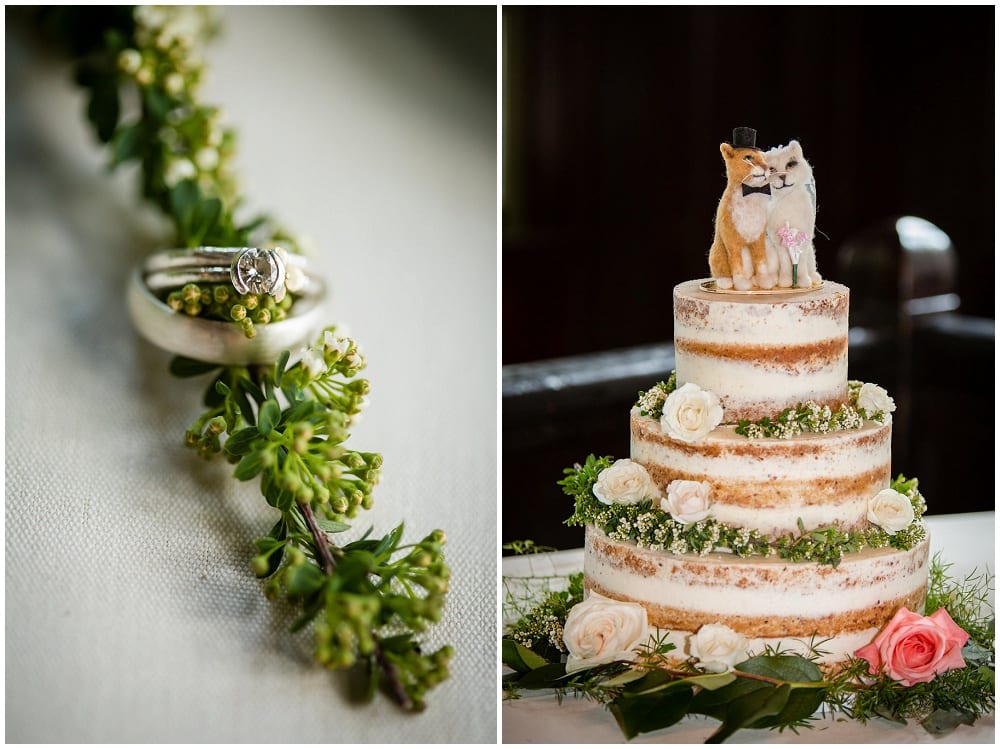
[251, 271]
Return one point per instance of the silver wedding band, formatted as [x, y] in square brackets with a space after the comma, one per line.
[250, 270]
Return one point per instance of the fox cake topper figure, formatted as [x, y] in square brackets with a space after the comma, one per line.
[738, 257]
[791, 217]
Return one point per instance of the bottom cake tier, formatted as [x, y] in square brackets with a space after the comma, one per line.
[770, 601]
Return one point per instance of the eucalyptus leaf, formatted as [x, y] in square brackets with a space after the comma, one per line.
[940, 722]
[791, 668]
[650, 712]
[520, 658]
[751, 707]
[548, 676]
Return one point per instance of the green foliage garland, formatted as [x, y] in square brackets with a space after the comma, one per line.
[651, 528]
[773, 690]
[285, 424]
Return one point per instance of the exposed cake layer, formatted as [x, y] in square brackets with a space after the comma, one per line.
[762, 353]
[769, 600]
[768, 484]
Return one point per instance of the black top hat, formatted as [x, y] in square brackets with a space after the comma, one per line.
[745, 137]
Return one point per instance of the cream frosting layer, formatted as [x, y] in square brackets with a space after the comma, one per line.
[763, 353]
[769, 484]
[769, 600]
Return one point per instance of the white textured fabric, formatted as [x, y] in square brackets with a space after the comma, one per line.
[131, 611]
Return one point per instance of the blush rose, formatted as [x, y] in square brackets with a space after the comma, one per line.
[688, 501]
[914, 649]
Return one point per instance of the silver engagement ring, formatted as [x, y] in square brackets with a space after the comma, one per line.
[250, 270]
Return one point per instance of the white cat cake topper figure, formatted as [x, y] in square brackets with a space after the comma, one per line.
[791, 218]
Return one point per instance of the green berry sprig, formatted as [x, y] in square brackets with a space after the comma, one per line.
[285, 424]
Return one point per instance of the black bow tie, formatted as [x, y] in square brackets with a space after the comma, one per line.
[765, 190]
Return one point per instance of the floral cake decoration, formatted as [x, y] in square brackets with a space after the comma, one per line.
[936, 669]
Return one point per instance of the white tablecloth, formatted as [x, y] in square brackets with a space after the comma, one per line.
[964, 540]
[131, 611]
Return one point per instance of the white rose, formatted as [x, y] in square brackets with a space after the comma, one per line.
[687, 501]
[689, 413]
[601, 630]
[872, 398]
[890, 511]
[625, 483]
[718, 648]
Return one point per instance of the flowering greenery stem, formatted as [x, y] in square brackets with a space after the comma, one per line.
[283, 424]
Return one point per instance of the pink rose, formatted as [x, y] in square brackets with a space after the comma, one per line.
[914, 648]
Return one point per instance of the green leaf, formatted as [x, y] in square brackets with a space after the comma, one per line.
[332, 526]
[308, 614]
[279, 367]
[204, 219]
[125, 144]
[182, 366]
[240, 442]
[941, 722]
[546, 677]
[269, 416]
[303, 410]
[275, 494]
[303, 580]
[791, 668]
[248, 467]
[650, 712]
[157, 102]
[748, 709]
[519, 658]
[213, 396]
[104, 107]
[184, 196]
[389, 542]
[655, 681]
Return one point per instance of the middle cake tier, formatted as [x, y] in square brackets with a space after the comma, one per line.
[770, 484]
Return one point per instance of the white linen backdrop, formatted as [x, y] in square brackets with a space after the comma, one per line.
[131, 611]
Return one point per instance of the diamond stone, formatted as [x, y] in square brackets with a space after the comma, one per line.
[257, 271]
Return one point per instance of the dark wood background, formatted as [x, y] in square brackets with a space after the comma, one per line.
[611, 176]
[613, 119]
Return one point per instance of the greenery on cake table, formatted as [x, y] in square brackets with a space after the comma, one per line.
[791, 422]
[286, 423]
[773, 689]
[650, 527]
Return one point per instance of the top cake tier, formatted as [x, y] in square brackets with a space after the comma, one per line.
[762, 353]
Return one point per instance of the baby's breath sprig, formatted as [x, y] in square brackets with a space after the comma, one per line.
[649, 527]
[651, 401]
[286, 424]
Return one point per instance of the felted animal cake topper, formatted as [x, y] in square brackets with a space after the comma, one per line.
[738, 257]
[791, 217]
